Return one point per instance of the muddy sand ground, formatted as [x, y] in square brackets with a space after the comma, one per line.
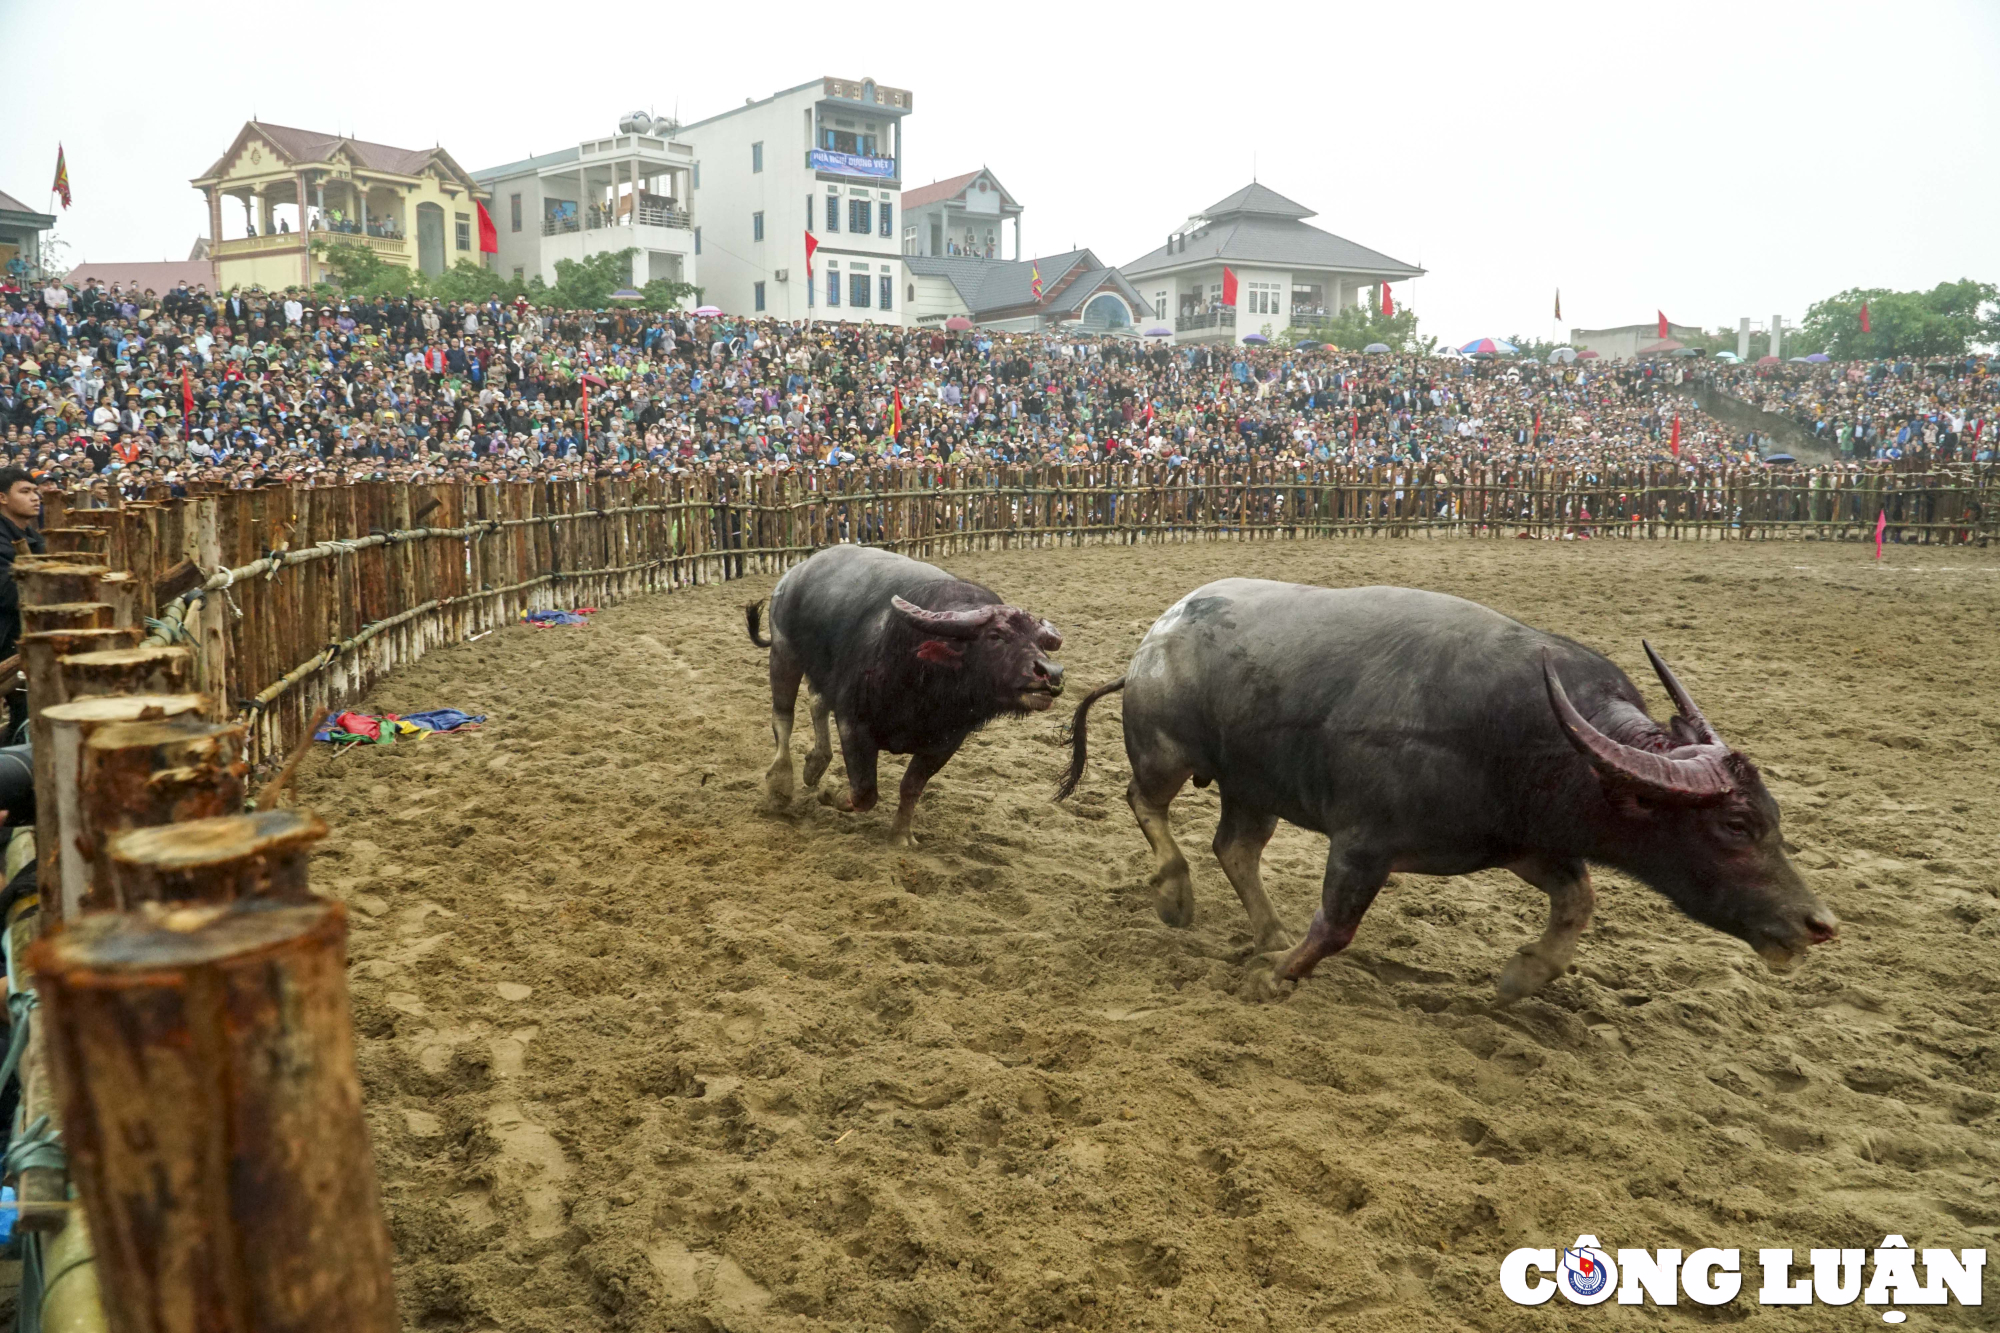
[639, 1056]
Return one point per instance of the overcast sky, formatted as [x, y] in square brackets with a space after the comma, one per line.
[1708, 160]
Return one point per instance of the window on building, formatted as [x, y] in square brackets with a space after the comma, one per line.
[833, 287]
[809, 212]
[1265, 298]
[514, 212]
[520, 273]
[857, 290]
[832, 213]
[860, 216]
[911, 294]
[888, 232]
[757, 294]
[695, 177]
[1159, 305]
[909, 239]
[757, 156]
[463, 228]
[756, 226]
[888, 285]
[697, 240]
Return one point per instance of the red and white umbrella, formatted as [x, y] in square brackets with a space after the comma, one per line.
[708, 310]
[958, 324]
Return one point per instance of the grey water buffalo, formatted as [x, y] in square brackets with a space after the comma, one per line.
[1428, 734]
[907, 659]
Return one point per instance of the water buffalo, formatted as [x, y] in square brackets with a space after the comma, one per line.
[1428, 734]
[907, 658]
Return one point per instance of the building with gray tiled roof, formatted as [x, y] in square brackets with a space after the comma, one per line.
[1078, 290]
[1287, 273]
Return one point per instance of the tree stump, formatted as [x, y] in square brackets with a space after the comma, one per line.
[65, 615]
[204, 1059]
[41, 654]
[260, 856]
[120, 591]
[77, 541]
[126, 671]
[65, 821]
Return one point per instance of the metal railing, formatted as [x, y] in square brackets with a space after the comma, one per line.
[1206, 319]
[597, 220]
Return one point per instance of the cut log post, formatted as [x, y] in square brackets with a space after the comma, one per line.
[63, 818]
[76, 541]
[44, 580]
[66, 615]
[120, 591]
[127, 671]
[140, 775]
[217, 860]
[204, 1059]
[41, 655]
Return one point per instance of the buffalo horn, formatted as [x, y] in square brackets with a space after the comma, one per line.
[1047, 637]
[1678, 693]
[946, 624]
[1697, 776]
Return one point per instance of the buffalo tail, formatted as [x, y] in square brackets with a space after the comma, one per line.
[1079, 737]
[754, 614]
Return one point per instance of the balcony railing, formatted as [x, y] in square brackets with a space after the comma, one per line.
[597, 220]
[1207, 319]
[250, 245]
[1307, 319]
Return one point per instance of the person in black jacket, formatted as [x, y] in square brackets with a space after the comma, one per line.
[20, 506]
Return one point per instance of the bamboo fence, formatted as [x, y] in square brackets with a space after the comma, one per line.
[297, 598]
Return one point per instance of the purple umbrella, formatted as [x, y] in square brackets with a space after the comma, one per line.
[1255, 338]
[1819, 358]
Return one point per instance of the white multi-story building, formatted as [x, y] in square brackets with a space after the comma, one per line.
[629, 191]
[825, 157]
[1252, 264]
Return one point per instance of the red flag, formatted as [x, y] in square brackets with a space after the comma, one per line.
[812, 244]
[1537, 436]
[489, 235]
[1663, 323]
[187, 400]
[1881, 526]
[61, 185]
[1864, 317]
[1676, 444]
[1388, 302]
[896, 417]
[1035, 280]
[586, 414]
[1228, 286]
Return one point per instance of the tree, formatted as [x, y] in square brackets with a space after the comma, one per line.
[587, 283]
[358, 271]
[661, 294]
[1359, 325]
[469, 281]
[1944, 321]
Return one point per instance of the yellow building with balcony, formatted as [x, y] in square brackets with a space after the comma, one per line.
[276, 190]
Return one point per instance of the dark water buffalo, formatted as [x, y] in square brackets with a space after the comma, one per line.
[907, 658]
[1427, 734]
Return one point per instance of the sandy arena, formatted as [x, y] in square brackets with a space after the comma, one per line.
[639, 1056]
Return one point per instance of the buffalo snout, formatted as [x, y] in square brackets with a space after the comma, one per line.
[1050, 674]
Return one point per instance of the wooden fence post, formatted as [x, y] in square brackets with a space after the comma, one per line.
[203, 1056]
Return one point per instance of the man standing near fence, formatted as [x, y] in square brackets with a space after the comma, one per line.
[20, 506]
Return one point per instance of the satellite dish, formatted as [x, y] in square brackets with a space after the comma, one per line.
[635, 122]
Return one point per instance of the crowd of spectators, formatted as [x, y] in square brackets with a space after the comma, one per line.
[1942, 410]
[103, 387]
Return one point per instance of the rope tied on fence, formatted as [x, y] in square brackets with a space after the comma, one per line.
[168, 629]
[38, 1148]
[21, 1006]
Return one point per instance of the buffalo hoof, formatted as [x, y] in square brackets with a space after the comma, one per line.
[1264, 980]
[778, 788]
[903, 838]
[815, 768]
[1526, 972]
[1173, 898]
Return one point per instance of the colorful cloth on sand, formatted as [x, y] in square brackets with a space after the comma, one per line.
[545, 619]
[383, 729]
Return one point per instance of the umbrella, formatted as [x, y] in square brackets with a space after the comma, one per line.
[1159, 331]
[708, 310]
[958, 324]
[1730, 357]
[1310, 346]
[1779, 458]
[1588, 356]
[1767, 361]
[1255, 338]
[1490, 346]
[1818, 358]
[1798, 361]
[1376, 347]
[1685, 351]
[1562, 356]
[628, 294]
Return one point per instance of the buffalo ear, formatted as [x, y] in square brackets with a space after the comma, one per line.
[939, 653]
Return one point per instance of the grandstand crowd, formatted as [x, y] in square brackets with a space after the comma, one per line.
[103, 388]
